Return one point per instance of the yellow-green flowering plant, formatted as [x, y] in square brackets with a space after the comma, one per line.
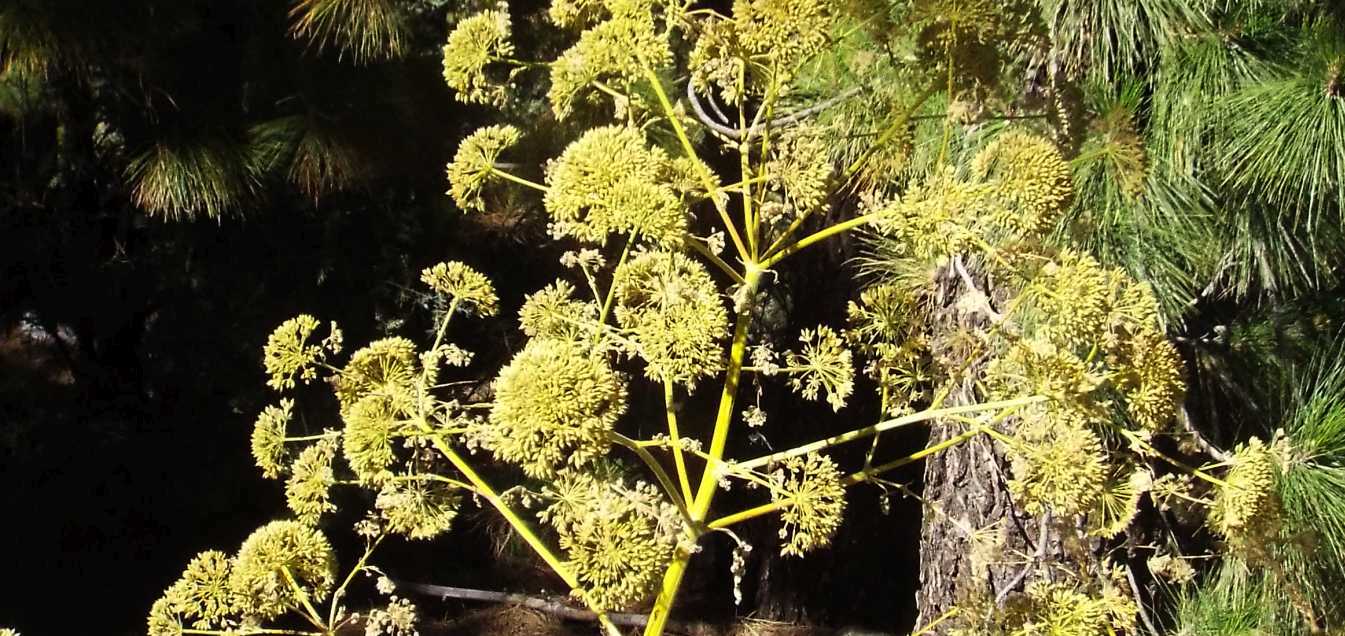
[1066, 358]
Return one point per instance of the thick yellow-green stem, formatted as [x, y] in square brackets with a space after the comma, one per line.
[821, 235]
[482, 489]
[311, 613]
[700, 505]
[887, 425]
[669, 407]
[250, 632]
[519, 180]
[850, 480]
[669, 486]
[519, 525]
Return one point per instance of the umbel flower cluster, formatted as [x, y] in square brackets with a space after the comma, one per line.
[279, 567]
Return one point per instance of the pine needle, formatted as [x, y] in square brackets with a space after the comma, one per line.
[178, 180]
[365, 30]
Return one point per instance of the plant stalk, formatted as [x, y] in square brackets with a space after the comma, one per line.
[700, 506]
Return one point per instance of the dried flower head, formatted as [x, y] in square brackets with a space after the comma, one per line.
[268, 439]
[618, 537]
[1061, 609]
[568, 13]
[801, 167]
[811, 488]
[271, 557]
[1150, 377]
[1062, 465]
[474, 164]
[717, 60]
[397, 619]
[554, 405]
[671, 307]
[308, 490]
[936, 219]
[1118, 502]
[886, 313]
[474, 45]
[609, 181]
[418, 508]
[787, 31]
[1245, 508]
[163, 619]
[1173, 569]
[1039, 367]
[946, 24]
[464, 285]
[822, 365]
[1073, 297]
[289, 356]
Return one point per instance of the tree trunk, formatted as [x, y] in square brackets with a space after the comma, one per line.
[966, 495]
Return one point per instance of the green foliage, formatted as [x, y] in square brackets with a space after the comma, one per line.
[1111, 38]
[1285, 137]
[317, 159]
